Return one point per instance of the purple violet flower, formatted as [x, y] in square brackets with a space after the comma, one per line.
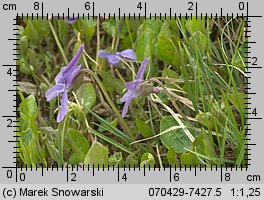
[115, 58]
[63, 81]
[134, 86]
[71, 20]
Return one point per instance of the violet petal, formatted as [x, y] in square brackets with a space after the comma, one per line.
[59, 79]
[64, 107]
[71, 75]
[75, 59]
[129, 54]
[54, 91]
[133, 84]
[142, 69]
[113, 59]
[103, 54]
[71, 20]
[127, 95]
[128, 101]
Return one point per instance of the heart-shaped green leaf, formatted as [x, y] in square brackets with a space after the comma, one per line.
[175, 138]
[97, 155]
[86, 95]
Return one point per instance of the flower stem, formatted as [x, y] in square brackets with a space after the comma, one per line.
[90, 58]
[58, 43]
[61, 133]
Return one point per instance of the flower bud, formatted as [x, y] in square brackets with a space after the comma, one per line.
[147, 88]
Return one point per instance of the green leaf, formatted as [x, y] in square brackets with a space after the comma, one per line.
[198, 41]
[115, 27]
[196, 25]
[164, 98]
[29, 107]
[32, 34]
[212, 120]
[174, 27]
[36, 30]
[175, 139]
[63, 31]
[103, 128]
[206, 119]
[26, 135]
[238, 100]
[166, 48]
[116, 160]
[147, 159]
[97, 154]
[172, 157]
[204, 145]
[78, 111]
[208, 146]
[24, 67]
[110, 27]
[147, 36]
[126, 42]
[88, 29]
[198, 144]
[86, 95]
[134, 24]
[79, 141]
[169, 73]
[80, 146]
[32, 106]
[77, 157]
[153, 25]
[42, 27]
[143, 128]
[111, 83]
[53, 151]
[144, 45]
[23, 46]
[132, 160]
[189, 159]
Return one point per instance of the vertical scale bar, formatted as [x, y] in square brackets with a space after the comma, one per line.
[246, 80]
[16, 106]
[13, 90]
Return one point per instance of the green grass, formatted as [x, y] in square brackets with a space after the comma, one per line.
[196, 118]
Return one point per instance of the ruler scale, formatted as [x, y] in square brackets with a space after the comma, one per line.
[84, 181]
